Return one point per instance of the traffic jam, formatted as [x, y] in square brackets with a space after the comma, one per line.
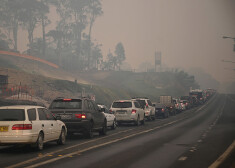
[65, 117]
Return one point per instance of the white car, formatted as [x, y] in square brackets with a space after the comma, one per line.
[178, 105]
[128, 111]
[110, 117]
[183, 105]
[148, 107]
[25, 124]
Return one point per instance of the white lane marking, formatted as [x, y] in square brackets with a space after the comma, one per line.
[100, 145]
[223, 156]
[183, 158]
[40, 156]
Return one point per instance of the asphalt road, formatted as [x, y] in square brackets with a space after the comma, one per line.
[193, 138]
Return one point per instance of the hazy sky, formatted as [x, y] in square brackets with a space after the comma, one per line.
[187, 32]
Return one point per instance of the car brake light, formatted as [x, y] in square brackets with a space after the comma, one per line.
[133, 111]
[67, 99]
[83, 116]
[147, 105]
[22, 127]
[163, 110]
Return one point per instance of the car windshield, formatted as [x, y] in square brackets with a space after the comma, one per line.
[12, 115]
[122, 105]
[66, 104]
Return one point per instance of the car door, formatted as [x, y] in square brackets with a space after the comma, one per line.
[33, 118]
[140, 111]
[54, 125]
[109, 117]
[98, 116]
[45, 124]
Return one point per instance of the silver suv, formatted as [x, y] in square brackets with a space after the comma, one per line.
[127, 111]
[148, 107]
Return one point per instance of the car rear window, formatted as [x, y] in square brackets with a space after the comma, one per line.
[142, 103]
[12, 115]
[66, 104]
[122, 105]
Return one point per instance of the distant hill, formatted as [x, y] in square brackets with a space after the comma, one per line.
[107, 86]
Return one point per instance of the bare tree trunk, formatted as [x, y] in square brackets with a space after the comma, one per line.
[43, 37]
[15, 35]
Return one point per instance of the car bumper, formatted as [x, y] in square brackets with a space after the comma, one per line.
[77, 126]
[18, 139]
[126, 119]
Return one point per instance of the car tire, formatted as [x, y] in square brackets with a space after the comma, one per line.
[137, 122]
[39, 143]
[143, 121]
[153, 118]
[103, 131]
[114, 124]
[62, 138]
[89, 131]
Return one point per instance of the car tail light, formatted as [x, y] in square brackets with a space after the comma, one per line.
[22, 127]
[67, 99]
[110, 111]
[83, 116]
[163, 110]
[133, 111]
[186, 104]
[147, 105]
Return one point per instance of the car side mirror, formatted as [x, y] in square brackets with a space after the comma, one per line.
[58, 117]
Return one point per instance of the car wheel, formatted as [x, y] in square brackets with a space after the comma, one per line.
[103, 131]
[62, 138]
[114, 124]
[137, 123]
[39, 143]
[143, 121]
[153, 118]
[89, 131]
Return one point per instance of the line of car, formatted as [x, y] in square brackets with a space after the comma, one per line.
[35, 125]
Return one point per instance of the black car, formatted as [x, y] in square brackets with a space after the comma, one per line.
[161, 111]
[80, 115]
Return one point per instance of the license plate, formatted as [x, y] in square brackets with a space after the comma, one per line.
[65, 117]
[3, 128]
[121, 111]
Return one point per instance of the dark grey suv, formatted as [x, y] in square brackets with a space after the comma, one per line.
[80, 115]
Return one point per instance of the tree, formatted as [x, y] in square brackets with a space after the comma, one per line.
[57, 37]
[31, 15]
[4, 43]
[94, 10]
[73, 21]
[120, 54]
[10, 13]
[44, 22]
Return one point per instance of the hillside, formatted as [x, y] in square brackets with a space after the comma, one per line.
[49, 83]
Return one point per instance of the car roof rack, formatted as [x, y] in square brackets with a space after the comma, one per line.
[140, 98]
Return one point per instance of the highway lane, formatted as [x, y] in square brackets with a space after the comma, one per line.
[176, 141]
